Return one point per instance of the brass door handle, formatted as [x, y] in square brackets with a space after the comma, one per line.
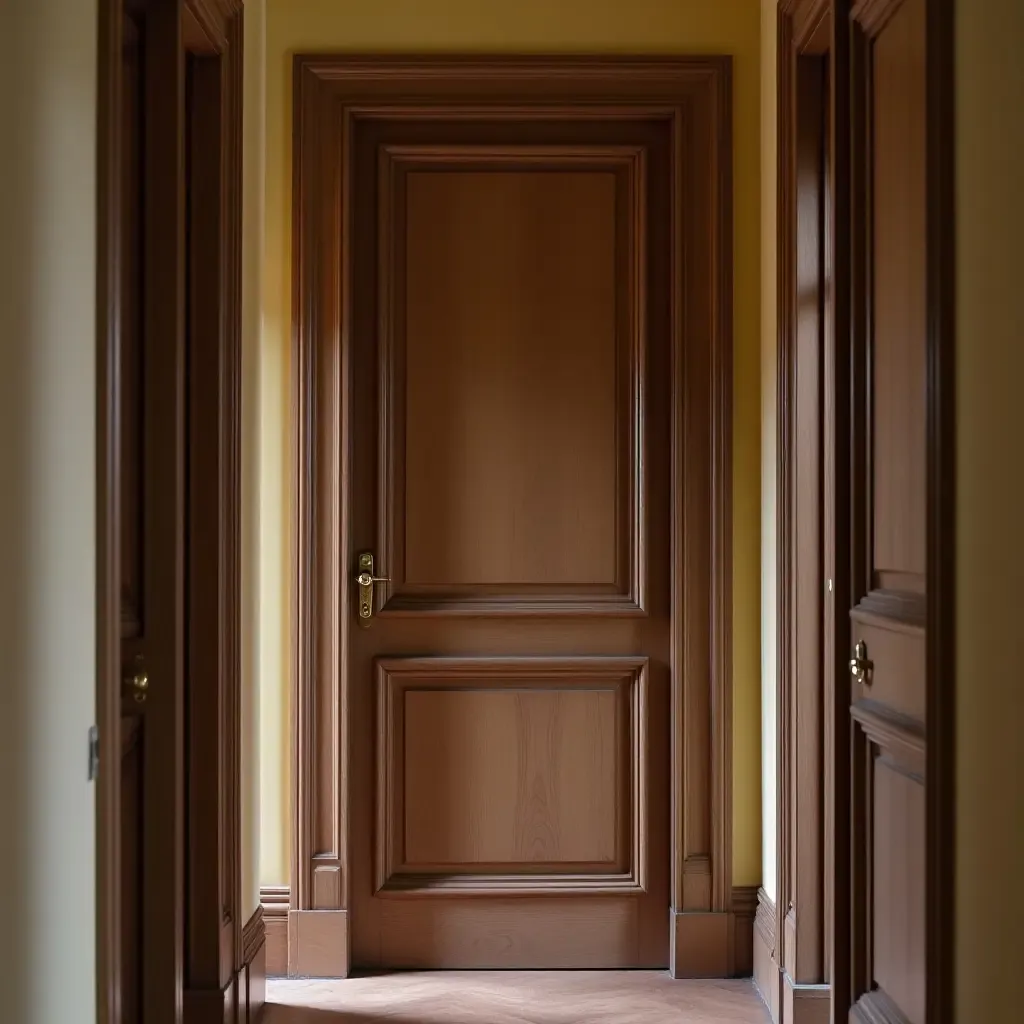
[137, 684]
[860, 666]
[365, 581]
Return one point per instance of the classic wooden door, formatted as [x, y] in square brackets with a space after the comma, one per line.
[889, 512]
[149, 397]
[510, 476]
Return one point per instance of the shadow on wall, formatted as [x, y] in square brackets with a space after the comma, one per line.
[19, 173]
[47, 537]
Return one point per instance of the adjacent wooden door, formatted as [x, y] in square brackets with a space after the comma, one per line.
[889, 511]
[147, 394]
[510, 472]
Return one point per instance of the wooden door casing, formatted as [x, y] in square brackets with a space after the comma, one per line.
[888, 502]
[494, 149]
[142, 469]
[145, 496]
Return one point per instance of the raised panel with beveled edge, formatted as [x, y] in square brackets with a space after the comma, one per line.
[888, 621]
[898, 328]
[511, 775]
[512, 361]
[899, 869]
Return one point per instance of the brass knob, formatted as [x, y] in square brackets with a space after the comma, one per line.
[138, 686]
[860, 666]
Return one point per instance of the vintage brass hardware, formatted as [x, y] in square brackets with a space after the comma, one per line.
[860, 666]
[365, 581]
[137, 684]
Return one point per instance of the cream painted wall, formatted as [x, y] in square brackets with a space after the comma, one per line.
[725, 26]
[990, 508]
[769, 579]
[253, 156]
[47, 519]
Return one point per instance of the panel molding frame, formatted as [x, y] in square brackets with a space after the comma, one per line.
[629, 676]
[627, 595]
[693, 97]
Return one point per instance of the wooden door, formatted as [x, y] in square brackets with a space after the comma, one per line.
[148, 395]
[510, 474]
[889, 512]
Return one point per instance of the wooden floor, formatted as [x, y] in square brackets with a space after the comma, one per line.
[514, 997]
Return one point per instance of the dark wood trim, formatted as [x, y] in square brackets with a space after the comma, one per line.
[276, 903]
[214, 950]
[838, 420]
[693, 96]
[211, 883]
[764, 918]
[941, 694]
[810, 940]
[164, 387]
[108, 525]
[744, 911]
[802, 694]
[785, 329]
[253, 936]
[767, 976]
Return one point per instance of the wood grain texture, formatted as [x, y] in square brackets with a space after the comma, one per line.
[159, 650]
[805, 488]
[512, 775]
[744, 910]
[525, 778]
[318, 944]
[514, 997]
[941, 660]
[275, 902]
[511, 378]
[898, 302]
[767, 975]
[348, 112]
[700, 945]
[898, 881]
[512, 356]
[805, 1004]
[891, 296]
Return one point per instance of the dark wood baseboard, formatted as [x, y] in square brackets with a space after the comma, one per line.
[276, 901]
[741, 941]
[805, 1004]
[241, 1000]
[252, 978]
[767, 978]
[730, 953]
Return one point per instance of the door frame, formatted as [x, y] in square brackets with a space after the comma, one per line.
[215, 945]
[941, 485]
[693, 94]
[811, 748]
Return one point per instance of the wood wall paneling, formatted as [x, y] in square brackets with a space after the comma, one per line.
[889, 696]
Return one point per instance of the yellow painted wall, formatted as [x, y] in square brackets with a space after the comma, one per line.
[990, 508]
[48, 52]
[638, 26]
